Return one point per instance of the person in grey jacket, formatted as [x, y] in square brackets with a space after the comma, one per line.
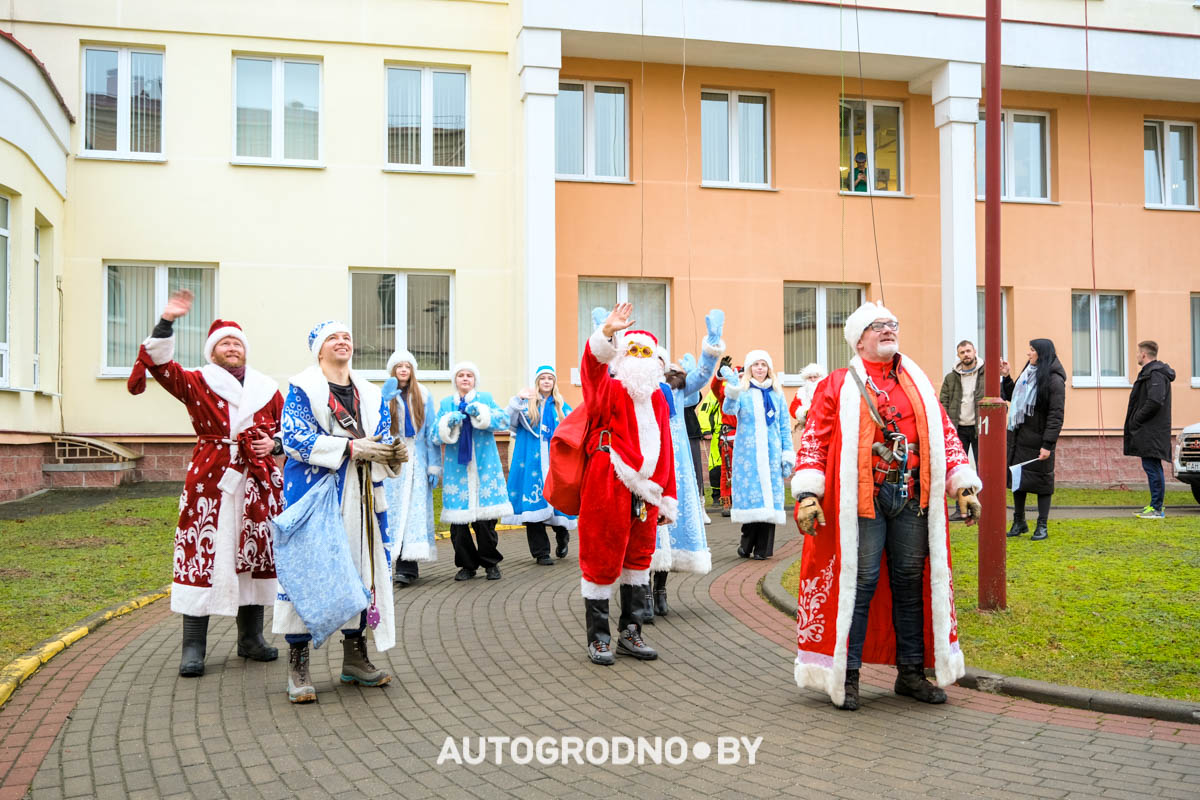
[1148, 423]
[962, 389]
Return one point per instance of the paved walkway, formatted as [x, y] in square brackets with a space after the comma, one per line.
[111, 718]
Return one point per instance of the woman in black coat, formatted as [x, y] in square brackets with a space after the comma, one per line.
[1035, 418]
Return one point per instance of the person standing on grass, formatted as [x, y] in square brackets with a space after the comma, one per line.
[962, 391]
[474, 492]
[1148, 423]
[224, 561]
[533, 416]
[1035, 419]
[410, 496]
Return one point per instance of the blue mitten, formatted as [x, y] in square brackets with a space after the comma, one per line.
[473, 409]
[687, 362]
[729, 376]
[714, 321]
[599, 314]
[390, 387]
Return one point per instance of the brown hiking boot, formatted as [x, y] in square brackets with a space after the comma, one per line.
[356, 667]
[300, 688]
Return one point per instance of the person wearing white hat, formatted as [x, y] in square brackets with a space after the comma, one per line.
[533, 416]
[474, 493]
[410, 495]
[810, 376]
[762, 453]
[877, 459]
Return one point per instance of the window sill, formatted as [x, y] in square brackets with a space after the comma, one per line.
[429, 170]
[1150, 207]
[150, 158]
[745, 187]
[28, 390]
[1196, 383]
[114, 374]
[277, 164]
[583, 179]
[1026, 201]
[1103, 383]
[902, 195]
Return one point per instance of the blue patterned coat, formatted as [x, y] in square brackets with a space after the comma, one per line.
[527, 468]
[476, 490]
[316, 445]
[410, 497]
[762, 455]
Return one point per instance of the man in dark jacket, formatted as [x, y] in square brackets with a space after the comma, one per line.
[1148, 423]
[962, 389]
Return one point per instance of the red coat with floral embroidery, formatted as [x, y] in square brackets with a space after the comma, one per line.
[834, 462]
[223, 552]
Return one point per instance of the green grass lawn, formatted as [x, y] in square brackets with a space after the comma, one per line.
[1113, 497]
[1102, 604]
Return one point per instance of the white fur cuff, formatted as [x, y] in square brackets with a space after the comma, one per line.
[789, 459]
[595, 591]
[484, 420]
[602, 347]
[732, 393]
[668, 510]
[808, 480]
[962, 477]
[437, 471]
[447, 433]
[717, 350]
[635, 577]
[160, 350]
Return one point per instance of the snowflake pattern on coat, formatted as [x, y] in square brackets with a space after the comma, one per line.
[410, 497]
[762, 455]
[475, 490]
[529, 463]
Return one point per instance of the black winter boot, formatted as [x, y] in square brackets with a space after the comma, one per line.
[1042, 531]
[648, 606]
[850, 703]
[660, 594]
[633, 611]
[1018, 527]
[595, 615]
[251, 643]
[562, 538]
[195, 644]
[911, 682]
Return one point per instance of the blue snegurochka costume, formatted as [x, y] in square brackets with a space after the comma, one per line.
[530, 461]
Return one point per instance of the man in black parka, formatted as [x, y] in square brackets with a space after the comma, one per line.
[1148, 423]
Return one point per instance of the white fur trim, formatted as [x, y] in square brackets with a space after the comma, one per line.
[663, 558]
[221, 333]
[327, 330]
[814, 369]
[434, 470]
[460, 517]
[716, 350]
[469, 366]
[808, 480]
[418, 551]
[640, 337]
[328, 451]
[862, 317]
[732, 392]
[634, 577]
[484, 420]
[538, 515]
[698, 562]
[744, 515]
[160, 350]
[313, 383]
[399, 356]
[758, 355]
[762, 460]
[789, 459]
[448, 434]
[668, 509]
[595, 591]
[603, 348]
[643, 487]
[962, 477]
[245, 399]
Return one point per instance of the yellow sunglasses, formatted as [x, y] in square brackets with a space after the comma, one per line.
[640, 350]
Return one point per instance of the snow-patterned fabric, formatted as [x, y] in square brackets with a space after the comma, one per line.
[410, 497]
[528, 466]
[476, 490]
[762, 455]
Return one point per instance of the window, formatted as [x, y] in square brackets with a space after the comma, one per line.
[37, 305]
[870, 146]
[733, 138]
[135, 294]
[277, 114]
[650, 298]
[123, 100]
[4, 283]
[426, 118]
[814, 320]
[981, 323]
[1169, 164]
[590, 132]
[402, 310]
[1196, 340]
[1098, 349]
[1025, 155]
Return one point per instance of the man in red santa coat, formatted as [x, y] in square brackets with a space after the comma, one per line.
[878, 458]
[629, 484]
[224, 562]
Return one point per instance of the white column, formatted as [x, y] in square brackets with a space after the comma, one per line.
[956, 90]
[539, 56]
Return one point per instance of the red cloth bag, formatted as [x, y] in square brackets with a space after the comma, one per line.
[568, 459]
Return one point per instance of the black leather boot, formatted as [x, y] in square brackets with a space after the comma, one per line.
[1018, 527]
[251, 643]
[195, 643]
[1042, 531]
[850, 703]
[633, 611]
[648, 606]
[595, 615]
[562, 538]
[660, 594]
[746, 544]
[911, 682]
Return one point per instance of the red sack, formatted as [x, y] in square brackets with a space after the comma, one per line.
[568, 459]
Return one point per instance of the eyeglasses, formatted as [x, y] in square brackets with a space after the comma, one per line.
[640, 350]
[889, 324]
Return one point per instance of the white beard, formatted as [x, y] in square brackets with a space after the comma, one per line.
[639, 376]
[889, 349]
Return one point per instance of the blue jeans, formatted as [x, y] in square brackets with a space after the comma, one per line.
[305, 638]
[1158, 485]
[901, 530]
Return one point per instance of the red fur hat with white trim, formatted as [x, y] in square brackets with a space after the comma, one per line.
[219, 329]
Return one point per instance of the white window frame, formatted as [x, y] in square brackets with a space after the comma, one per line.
[1006, 158]
[1193, 296]
[37, 306]
[871, 190]
[979, 290]
[822, 311]
[589, 133]
[733, 96]
[161, 282]
[276, 158]
[1095, 380]
[122, 153]
[5, 351]
[400, 323]
[623, 297]
[427, 164]
[1164, 129]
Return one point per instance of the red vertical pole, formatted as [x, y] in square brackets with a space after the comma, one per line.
[992, 444]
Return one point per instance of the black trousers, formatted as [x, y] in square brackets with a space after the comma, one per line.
[758, 538]
[539, 541]
[408, 568]
[714, 480]
[969, 436]
[466, 554]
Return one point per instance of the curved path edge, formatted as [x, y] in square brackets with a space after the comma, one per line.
[1133, 705]
[23, 667]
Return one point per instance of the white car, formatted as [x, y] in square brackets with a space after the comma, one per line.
[1187, 458]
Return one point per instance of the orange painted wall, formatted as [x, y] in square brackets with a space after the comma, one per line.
[734, 249]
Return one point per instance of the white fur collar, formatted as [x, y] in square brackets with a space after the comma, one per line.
[761, 384]
[314, 385]
[244, 399]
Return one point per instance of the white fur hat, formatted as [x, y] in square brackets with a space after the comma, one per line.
[403, 355]
[321, 332]
[469, 366]
[813, 370]
[862, 318]
[758, 355]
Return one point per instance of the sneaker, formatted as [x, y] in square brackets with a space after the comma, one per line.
[493, 573]
[464, 574]
[545, 561]
[1150, 512]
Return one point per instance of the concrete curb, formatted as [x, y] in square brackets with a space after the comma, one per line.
[23, 667]
[1132, 705]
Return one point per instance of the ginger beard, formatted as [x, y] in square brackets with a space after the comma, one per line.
[639, 376]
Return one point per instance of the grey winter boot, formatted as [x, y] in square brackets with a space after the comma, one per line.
[300, 688]
[629, 641]
[356, 667]
[911, 682]
[595, 614]
[195, 643]
[251, 643]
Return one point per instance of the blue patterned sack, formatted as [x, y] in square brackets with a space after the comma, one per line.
[313, 563]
